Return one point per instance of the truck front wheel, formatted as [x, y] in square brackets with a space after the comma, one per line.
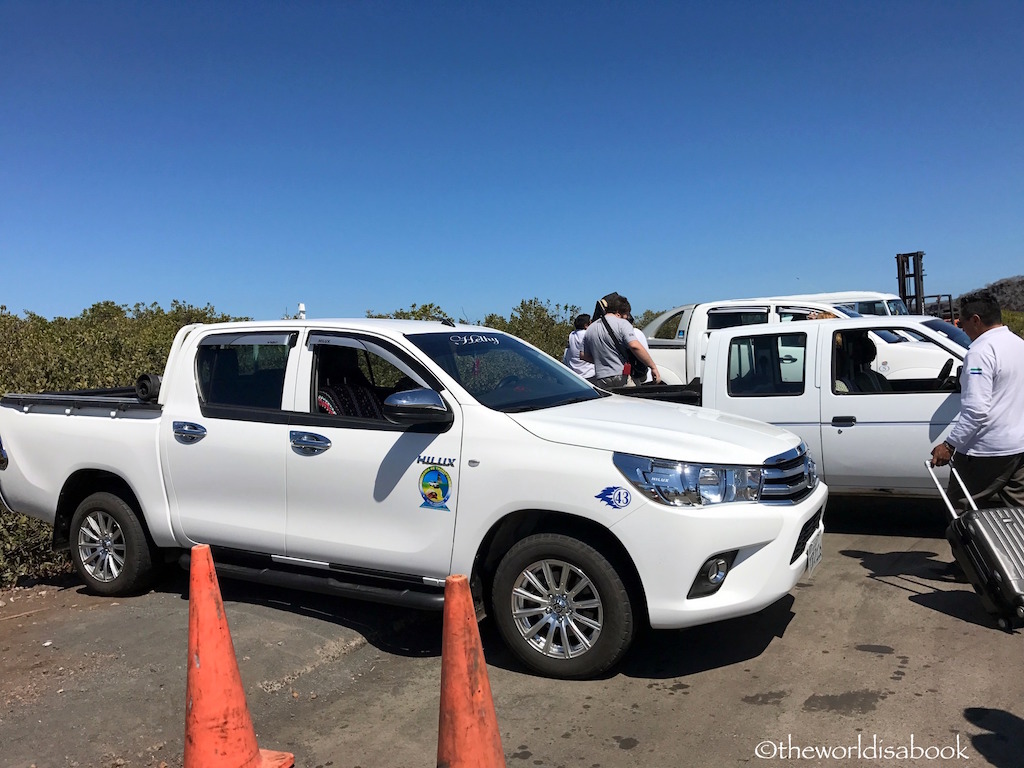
[562, 607]
[108, 546]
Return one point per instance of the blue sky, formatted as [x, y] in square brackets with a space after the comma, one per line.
[370, 155]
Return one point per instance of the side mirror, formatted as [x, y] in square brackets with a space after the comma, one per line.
[417, 406]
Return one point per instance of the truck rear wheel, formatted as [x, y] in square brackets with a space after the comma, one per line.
[562, 607]
[108, 546]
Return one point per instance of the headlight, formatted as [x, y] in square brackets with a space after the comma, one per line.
[681, 484]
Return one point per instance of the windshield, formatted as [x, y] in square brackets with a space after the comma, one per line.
[502, 372]
[950, 331]
[897, 307]
[848, 310]
[887, 336]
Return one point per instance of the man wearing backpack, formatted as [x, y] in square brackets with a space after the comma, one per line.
[610, 342]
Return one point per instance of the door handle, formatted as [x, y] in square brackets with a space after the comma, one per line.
[186, 432]
[844, 421]
[787, 359]
[308, 443]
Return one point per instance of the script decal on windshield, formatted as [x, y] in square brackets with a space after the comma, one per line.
[464, 340]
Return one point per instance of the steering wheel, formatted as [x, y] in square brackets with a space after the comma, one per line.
[944, 373]
[508, 381]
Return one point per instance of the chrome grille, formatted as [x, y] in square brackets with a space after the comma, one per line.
[789, 477]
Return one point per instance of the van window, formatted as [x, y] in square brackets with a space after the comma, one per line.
[767, 365]
[871, 307]
[734, 317]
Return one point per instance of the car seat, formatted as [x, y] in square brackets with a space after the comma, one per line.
[862, 353]
[342, 388]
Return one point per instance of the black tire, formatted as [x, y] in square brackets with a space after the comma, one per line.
[561, 607]
[109, 547]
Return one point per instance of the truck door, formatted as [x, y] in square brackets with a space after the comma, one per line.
[224, 439]
[767, 374]
[877, 430]
[364, 493]
[724, 316]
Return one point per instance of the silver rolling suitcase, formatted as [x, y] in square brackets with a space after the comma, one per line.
[989, 546]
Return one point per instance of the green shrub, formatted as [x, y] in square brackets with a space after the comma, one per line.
[108, 345]
[1014, 321]
[25, 549]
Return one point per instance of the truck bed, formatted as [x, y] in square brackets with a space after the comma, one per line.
[688, 394]
[116, 398]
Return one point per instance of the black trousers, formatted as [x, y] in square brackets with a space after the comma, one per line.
[994, 481]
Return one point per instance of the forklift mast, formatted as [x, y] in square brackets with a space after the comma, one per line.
[910, 272]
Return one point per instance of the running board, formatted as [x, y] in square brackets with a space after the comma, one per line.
[327, 585]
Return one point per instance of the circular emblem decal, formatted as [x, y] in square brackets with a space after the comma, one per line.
[435, 487]
[615, 497]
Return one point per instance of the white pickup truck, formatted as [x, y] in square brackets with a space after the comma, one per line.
[373, 458]
[678, 339]
[868, 432]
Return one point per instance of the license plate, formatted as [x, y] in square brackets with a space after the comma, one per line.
[813, 552]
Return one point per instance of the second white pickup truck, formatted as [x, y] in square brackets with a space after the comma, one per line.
[868, 431]
[373, 458]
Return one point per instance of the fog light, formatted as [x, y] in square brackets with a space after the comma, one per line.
[716, 570]
[711, 574]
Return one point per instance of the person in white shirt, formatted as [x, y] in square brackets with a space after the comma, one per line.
[642, 338]
[986, 445]
[574, 351]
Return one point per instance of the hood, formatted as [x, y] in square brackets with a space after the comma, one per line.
[659, 430]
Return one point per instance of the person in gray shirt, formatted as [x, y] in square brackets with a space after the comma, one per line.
[606, 343]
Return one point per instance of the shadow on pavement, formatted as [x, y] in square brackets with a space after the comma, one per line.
[883, 516]
[399, 631]
[922, 577]
[670, 653]
[1001, 747]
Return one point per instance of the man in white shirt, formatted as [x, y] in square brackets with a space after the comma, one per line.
[986, 446]
[574, 351]
[642, 338]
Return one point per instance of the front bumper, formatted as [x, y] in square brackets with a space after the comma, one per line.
[676, 541]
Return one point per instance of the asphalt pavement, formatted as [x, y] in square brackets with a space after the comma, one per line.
[878, 659]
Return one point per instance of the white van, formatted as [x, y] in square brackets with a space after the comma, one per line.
[860, 302]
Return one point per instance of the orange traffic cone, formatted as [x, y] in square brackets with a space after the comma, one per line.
[218, 728]
[468, 730]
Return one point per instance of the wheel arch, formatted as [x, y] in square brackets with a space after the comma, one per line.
[83, 484]
[518, 525]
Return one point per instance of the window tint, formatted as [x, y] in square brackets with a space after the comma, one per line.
[950, 331]
[502, 372]
[243, 369]
[767, 365]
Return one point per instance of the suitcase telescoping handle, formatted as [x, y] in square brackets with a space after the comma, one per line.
[942, 491]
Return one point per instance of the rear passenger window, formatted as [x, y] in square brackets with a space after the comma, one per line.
[243, 369]
[767, 365]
